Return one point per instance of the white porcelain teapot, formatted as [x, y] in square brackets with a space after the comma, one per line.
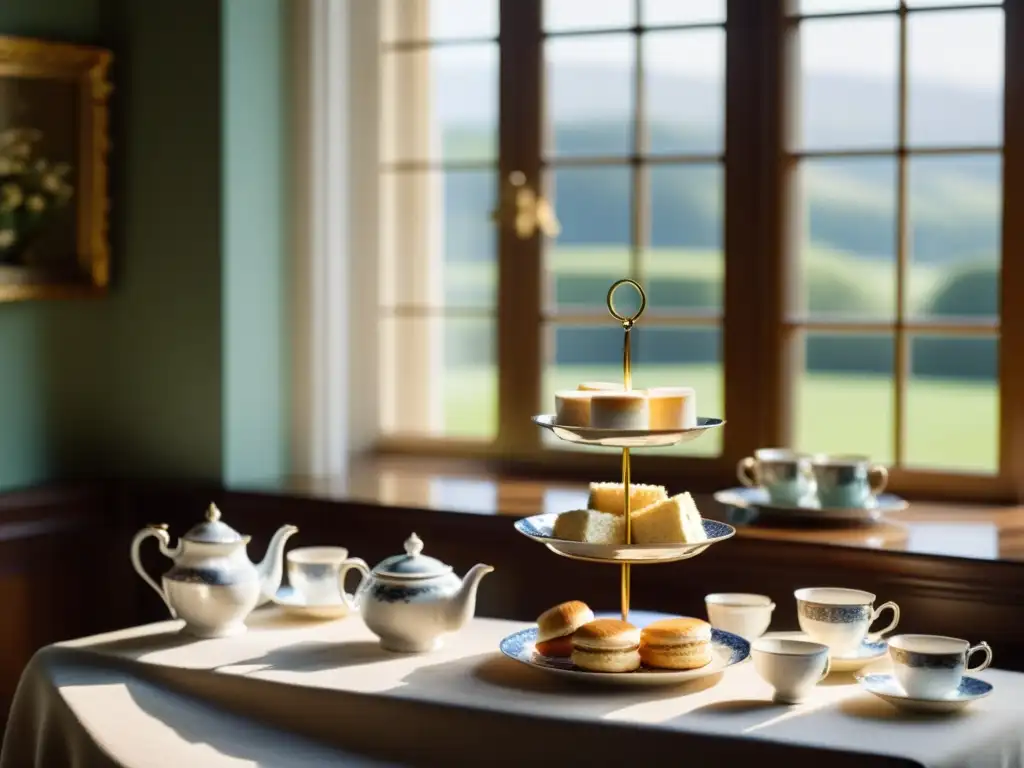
[412, 601]
[213, 586]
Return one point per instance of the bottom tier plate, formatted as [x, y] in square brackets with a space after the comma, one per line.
[727, 650]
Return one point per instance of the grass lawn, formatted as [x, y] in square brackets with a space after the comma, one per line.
[950, 424]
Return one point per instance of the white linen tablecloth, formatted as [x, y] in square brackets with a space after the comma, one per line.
[292, 693]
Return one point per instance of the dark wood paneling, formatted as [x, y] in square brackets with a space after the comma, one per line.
[969, 598]
[55, 584]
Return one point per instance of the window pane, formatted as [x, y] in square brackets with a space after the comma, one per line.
[438, 245]
[955, 219]
[416, 20]
[592, 250]
[568, 15]
[847, 262]
[440, 104]
[590, 95]
[846, 6]
[684, 82]
[939, 3]
[683, 267]
[438, 377]
[955, 88]
[844, 401]
[848, 71]
[661, 356]
[664, 12]
[953, 404]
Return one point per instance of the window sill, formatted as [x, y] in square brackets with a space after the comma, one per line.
[969, 532]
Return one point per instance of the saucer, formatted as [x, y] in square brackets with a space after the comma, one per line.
[887, 688]
[868, 652]
[757, 500]
[292, 603]
[727, 650]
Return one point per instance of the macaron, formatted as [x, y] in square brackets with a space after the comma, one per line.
[556, 626]
[606, 645]
[683, 643]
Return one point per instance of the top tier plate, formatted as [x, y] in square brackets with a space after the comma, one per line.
[627, 438]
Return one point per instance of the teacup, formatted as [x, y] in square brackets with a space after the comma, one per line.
[791, 667]
[840, 618]
[784, 474]
[315, 573]
[742, 614]
[932, 666]
[847, 481]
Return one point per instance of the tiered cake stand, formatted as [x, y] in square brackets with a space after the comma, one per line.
[728, 649]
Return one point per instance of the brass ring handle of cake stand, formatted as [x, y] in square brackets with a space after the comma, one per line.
[627, 322]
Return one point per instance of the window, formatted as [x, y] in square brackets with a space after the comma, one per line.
[816, 194]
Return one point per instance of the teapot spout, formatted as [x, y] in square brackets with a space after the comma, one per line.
[462, 604]
[271, 568]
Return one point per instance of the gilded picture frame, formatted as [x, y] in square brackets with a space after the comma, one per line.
[54, 141]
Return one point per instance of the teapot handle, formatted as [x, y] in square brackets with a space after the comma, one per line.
[352, 603]
[160, 532]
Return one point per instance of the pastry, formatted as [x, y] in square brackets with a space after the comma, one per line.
[619, 410]
[556, 626]
[672, 521]
[676, 644]
[672, 407]
[599, 386]
[591, 527]
[610, 497]
[606, 645]
[572, 408]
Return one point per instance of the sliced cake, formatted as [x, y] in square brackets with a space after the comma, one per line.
[591, 527]
[672, 521]
[609, 497]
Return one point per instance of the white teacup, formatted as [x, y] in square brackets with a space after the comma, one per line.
[791, 667]
[932, 666]
[317, 574]
[840, 618]
[741, 613]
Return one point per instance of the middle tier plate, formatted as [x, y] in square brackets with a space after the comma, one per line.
[541, 528]
[627, 438]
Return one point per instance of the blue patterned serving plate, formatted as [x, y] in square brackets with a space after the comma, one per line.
[626, 438]
[727, 650]
[756, 500]
[887, 688]
[541, 528]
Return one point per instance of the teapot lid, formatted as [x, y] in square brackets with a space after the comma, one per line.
[212, 530]
[411, 565]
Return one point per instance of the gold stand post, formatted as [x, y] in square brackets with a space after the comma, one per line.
[627, 376]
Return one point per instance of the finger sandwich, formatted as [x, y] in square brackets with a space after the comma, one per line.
[606, 645]
[555, 628]
[683, 643]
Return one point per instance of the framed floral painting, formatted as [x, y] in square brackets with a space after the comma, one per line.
[53, 169]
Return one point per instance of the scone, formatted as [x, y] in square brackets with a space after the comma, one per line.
[676, 644]
[606, 645]
[591, 527]
[556, 625]
[672, 521]
[611, 498]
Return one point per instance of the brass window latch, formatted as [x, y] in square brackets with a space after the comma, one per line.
[525, 210]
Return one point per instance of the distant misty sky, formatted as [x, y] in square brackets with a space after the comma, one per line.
[958, 48]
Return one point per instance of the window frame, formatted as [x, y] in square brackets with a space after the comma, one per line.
[761, 88]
